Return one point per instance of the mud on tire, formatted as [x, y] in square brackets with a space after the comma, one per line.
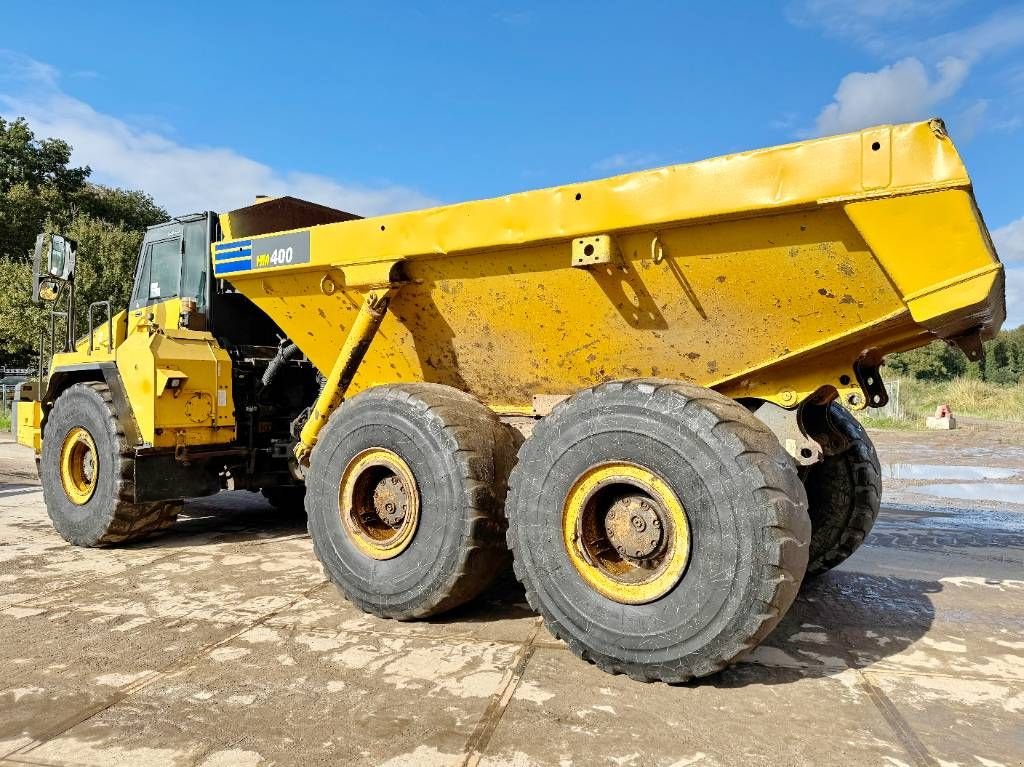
[109, 516]
[459, 455]
[745, 505]
[844, 493]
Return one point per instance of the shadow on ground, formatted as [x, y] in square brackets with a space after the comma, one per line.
[844, 619]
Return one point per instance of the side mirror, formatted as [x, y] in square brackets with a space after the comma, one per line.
[53, 265]
[49, 289]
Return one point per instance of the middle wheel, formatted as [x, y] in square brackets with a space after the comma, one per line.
[405, 497]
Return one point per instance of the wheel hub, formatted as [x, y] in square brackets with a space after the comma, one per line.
[379, 503]
[78, 465]
[391, 501]
[626, 532]
[634, 527]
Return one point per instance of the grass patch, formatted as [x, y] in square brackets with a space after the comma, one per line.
[885, 422]
[5, 420]
[965, 397]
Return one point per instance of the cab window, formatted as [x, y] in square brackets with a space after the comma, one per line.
[160, 272]
[197, 257]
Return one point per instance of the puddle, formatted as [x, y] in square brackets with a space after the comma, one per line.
[941, 471]
[993, 492]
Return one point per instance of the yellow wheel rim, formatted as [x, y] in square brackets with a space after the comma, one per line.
[379, 503]
[79, 465]
[626, 532]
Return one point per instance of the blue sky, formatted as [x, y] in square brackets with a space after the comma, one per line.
[384, 106]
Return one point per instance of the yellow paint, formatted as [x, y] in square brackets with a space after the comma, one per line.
[152, 349]
[363, 330]
[368, 533]
[200, 410]
[607, 576]
[763, 274]
[79, 465]
[935, 250]
[30, 415]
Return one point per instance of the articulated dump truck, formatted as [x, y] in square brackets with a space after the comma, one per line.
[637, 390]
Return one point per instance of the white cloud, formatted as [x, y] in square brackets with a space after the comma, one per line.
[624, 161]
[1009, 242]
[901, 92]
[1014, 298]
[968, 121]
[930, 70]
[1000, 32]
[868, 23]
[181, 178]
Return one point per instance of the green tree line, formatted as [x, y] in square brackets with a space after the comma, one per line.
[1002, 363]
[40, 190]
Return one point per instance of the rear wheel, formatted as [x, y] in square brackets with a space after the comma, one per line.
[405, 497]
[88, 473]
[844, 494]
[658, 527]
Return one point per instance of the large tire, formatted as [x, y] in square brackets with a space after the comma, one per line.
[109, 515]
[844, 494]
[458, 455]
[743, 501]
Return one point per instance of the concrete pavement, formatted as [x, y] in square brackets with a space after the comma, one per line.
[220, 643]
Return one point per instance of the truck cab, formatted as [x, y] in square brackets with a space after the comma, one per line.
[204, 388]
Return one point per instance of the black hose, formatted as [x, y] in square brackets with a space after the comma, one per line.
[284, 354]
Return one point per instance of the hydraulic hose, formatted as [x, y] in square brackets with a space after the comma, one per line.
[284, 354]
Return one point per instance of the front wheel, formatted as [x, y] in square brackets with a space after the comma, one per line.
[659, 528]
[87, 472]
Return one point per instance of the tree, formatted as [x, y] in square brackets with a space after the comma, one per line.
[938, 361]
[36, 182]
[39, 191]
[1001, 363]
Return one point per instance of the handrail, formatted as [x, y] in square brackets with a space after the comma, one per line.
[110, 325]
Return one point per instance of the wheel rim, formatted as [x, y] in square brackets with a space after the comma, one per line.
[379, 503]
[79, 465]
[626, 532]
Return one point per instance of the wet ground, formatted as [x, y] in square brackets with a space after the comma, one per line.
[220, 644]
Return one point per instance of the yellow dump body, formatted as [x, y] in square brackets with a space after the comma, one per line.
[764, 274]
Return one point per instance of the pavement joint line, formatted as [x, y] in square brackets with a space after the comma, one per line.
[20, 760]
[905, 734]
[484, 730]
[123, 693]
[87, 581]
[130, 568]
[400, 635]
[940, 675]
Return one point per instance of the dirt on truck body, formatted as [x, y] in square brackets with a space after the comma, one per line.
[683, 344]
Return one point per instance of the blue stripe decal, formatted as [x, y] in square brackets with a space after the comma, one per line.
[231, 245]
[234, 266]
[224, 255]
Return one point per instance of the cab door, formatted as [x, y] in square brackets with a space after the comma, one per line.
[155, 299]
[176, 375]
